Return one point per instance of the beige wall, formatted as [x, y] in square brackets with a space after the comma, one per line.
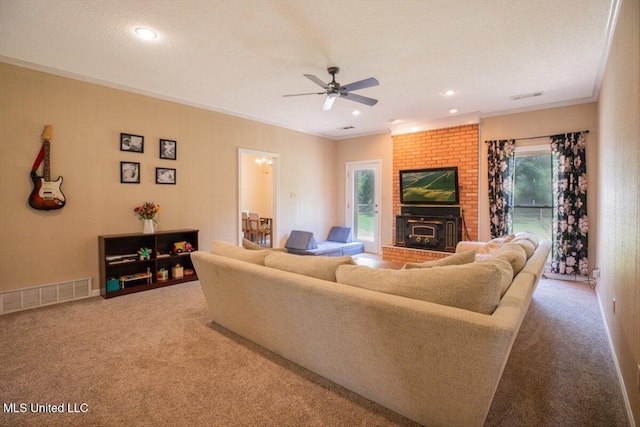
[47, 247]
[619, 203]
[373, 147]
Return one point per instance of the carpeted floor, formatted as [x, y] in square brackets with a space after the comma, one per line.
[155, 359]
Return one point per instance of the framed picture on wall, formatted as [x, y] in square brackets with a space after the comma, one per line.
[168, 149]
[130, 172]
[165, 176]
[130, 142]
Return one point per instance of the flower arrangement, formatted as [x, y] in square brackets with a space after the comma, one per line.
[148, 210]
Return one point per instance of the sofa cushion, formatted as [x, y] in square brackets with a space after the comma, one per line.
[230, 250]
[301, 240]
[529, 236]
[513, 253]
[459, 258]
[494, 244]
[474, 287]
[506, 272]
[248, 244]
[319, 267]
[525, 244]
[340, 234]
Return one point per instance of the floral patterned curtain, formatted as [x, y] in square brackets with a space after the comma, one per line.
[501, 177]
[570, 223]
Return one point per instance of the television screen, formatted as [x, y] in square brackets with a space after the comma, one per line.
[438, 186]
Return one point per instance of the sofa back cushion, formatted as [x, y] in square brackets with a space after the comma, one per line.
[230, 250]
[474, 287]
[494, 244]
[301, 240]
[528, 236]
[248, 244]
[459, 258]
[513, 253]
[314, 266]
[506, 272]
[525, 244]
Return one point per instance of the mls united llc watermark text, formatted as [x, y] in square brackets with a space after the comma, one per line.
[35, 408]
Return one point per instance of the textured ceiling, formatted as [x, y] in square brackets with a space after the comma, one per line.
[240, 57]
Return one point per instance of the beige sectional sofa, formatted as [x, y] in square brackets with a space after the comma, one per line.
[402, 338]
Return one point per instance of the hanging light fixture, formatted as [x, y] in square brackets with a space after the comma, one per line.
[264, 165]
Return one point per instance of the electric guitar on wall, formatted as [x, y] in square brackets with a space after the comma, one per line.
[46, 194]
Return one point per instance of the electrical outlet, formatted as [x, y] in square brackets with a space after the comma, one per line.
[614, 306]
[596, 273]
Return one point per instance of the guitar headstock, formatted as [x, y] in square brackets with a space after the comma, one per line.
[47, 133]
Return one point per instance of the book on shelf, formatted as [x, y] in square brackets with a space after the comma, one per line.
[111, 258]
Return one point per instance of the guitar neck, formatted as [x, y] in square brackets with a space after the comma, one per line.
[47, 161]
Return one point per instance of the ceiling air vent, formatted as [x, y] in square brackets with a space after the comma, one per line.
[346, 127]
[525, 95]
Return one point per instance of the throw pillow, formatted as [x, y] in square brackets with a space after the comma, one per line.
[460, 258]
[229, 250]
[319, 267]
[474, 287]
[513, 253]
[506, 272]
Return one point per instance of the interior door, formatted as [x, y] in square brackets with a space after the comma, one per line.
[363, 203]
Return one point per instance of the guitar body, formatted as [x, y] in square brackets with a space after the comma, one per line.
[46, 195]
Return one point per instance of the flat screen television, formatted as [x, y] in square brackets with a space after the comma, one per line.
[435, 186]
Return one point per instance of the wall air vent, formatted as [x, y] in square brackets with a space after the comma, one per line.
[525, 95]
[23, 299]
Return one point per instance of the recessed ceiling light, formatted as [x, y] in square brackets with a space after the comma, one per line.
[145, 33]
[356, 113]
[453, 111]
[450, 92]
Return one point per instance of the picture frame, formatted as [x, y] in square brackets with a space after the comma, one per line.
[132, 143]
[166, 176]
[168, 149]
[129, 173]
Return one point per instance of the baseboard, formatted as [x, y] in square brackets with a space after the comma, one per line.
[627, 403]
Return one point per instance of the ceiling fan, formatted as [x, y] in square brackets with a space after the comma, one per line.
[334, 90]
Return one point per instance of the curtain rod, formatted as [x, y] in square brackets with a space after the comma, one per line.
[544, 136]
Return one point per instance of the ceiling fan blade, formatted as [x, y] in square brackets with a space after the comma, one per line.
[328, 103]
[358, 98]
[361, 84]
[311, 93]
[316, 80]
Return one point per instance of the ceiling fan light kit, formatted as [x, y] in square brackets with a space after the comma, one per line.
[334, 90]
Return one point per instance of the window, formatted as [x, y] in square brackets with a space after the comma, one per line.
[533, 191]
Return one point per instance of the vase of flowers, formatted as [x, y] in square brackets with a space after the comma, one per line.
[147, 213]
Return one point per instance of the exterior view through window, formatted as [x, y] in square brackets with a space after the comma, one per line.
[533, 193]
[365, 206]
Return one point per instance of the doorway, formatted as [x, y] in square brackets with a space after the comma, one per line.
[258, 179]
[363, 193]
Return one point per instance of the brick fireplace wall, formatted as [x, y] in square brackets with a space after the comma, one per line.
[456, 146]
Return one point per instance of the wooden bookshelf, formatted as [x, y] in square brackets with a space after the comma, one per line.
[119, 260]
